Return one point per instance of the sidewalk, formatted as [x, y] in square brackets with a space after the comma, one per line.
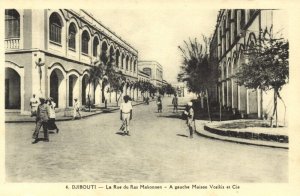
[245, 132]
[64, 115]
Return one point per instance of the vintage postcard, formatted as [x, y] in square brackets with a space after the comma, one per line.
[149, 97]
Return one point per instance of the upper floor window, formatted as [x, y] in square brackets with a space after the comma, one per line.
[130, 64]
[85, 38]
[117, 58]
[148, 71]
[95, 46]
[242, 21]
[12, 24]
[111, 55]
[134, 66]
[235, 23]
[72, 36]
[127, 63]
[252, 11]
[122, 61]
[55, 28]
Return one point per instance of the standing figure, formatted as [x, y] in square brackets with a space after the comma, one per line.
[42, 117]
[126, 113]
[175, 103]
[159, 104]
[76, 109]
[52, 116]
[33, 104]
[190, 118]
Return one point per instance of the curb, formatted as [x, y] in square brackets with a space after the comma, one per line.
[227, 139]
[70, 118]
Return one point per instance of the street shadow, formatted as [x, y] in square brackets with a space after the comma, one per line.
[171, 116]
[181, 135]
[39, 140]
[107, 111]
[120, 133]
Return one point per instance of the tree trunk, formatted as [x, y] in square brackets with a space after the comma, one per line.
[220, 108]
[109, 96]
[275, 109]
[278, 95]
[117, 97]
[208, 109]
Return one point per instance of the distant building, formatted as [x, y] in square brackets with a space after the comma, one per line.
[182, 90]
[64, 43]
[143, 76]
[235, 30]
[154, 70]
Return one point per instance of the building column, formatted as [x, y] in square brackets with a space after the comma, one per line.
[79, 97]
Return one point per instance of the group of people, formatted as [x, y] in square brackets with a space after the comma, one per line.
[45, 117]
[44, 110]
[188, 113]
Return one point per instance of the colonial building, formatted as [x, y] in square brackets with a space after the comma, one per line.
[49, 52]
[235, 30]
[154, 70]
[143, 76]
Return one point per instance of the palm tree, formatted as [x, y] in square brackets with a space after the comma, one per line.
[95, 76]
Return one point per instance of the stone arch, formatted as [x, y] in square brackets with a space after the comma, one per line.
[118, 56]
[122, 60]
[73, 40]
[130, 64]
[73, 87]
[12, 89]
[251, 39]
[85, 41]
[96, 45]
[126, 62]
[61, 16]
[112, 53]
[14, 86]
[84, 87]
[57, 85]
[57, 25]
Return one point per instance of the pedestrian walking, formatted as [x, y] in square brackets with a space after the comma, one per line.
[76, 109]
[190, 118]
[159, 104]
[33, 105]
[42, 117]
[52, 115]
[126, 114]
[175, 103]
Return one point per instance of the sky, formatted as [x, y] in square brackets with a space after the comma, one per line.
[157, 33]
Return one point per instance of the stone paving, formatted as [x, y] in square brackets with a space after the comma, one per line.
[158, 150]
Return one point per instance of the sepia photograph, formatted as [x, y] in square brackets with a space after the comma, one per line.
[156, 98]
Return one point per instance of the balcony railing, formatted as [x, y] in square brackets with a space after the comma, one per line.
[12, 43]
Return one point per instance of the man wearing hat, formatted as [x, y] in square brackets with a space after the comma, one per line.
[76, 108]
[42, 117]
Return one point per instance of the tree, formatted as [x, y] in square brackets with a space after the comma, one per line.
[103, 70]
[117, 83]
[267, 67]
[94, 77]
[196, 70]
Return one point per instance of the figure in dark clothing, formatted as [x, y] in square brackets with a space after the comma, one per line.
[42, 117]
